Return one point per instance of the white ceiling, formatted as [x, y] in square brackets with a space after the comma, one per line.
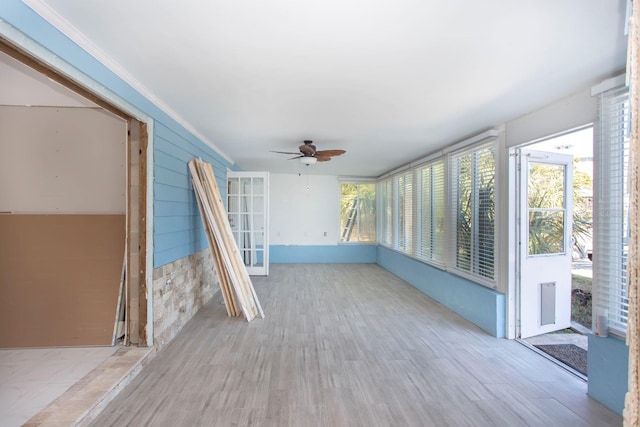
[387, 80]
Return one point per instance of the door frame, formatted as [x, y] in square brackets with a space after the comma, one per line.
[513, 271]
[139, 211]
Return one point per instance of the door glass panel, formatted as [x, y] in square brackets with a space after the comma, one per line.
[233, 221]
[244, 240]
[246, 257]
[259, 239]
[258, 186]
[232, 185]
[258, 203]
[245, 184]
[233, 203]
[546, 232]
[243, 222]
[259, 261]
[546, 203]
[258, 222]
[546, 186]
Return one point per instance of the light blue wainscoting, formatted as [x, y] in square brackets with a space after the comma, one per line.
[352, 253]
[478, 304]
[608, 367]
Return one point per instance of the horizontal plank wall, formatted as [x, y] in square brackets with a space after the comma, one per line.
[59, 279]
[177, 225]
[478, 304]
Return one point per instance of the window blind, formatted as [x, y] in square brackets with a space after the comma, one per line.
[386, 212]
[404, 184]
[611, 209]
[430, 212]
[472, 177]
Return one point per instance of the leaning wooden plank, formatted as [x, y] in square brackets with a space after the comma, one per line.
[223, 277]
[229, 242]
[120, 305]
[209, 216]
[226, 244]
[228, 236]
[226, 264]
[225, 281]
[249, 289]
[219, 268]
[249, 314]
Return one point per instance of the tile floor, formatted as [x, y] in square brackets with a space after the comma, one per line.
[32, 378]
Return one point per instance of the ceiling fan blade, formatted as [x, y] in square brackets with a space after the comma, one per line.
[330, 153]
[308, 149]
[283, 152]
[296, 157]
[323, 158]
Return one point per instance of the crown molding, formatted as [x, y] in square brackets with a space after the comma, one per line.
[66, 28]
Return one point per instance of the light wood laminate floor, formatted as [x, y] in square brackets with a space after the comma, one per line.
[348, 345]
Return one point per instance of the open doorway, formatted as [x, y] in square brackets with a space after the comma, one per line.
[555, 195]
[63, 164]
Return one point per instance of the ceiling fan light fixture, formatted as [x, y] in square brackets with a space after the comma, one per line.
[308, 160]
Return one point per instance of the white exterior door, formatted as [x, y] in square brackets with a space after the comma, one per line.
[545, 212]
[248, 208]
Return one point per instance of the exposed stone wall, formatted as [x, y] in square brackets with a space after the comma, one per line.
[180, 288]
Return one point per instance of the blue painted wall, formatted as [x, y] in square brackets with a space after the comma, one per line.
[608, 367]
[178, 231]
[476, 303]
[352, 253]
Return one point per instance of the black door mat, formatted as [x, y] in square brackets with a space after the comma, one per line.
[569, 354]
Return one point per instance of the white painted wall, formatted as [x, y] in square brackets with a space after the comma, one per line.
[571, 112]
[61, 160]
[301, 216]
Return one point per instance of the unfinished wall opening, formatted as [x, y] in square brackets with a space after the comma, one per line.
[73, 221]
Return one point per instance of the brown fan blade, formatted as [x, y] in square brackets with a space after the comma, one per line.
[323, 158]
[308, 149]
[296, 157]
[283, 152]
[330, 153]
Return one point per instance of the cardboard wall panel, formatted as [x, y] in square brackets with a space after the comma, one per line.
[59, 279]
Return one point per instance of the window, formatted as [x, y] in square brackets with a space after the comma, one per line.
[431, 212]
[611, 209]
[358, 212]
[472, 217]
[404, 184]
[441, 210]
[386, 212]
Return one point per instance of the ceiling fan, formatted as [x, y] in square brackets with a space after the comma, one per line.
[309, 155]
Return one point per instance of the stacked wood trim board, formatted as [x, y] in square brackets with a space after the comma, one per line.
[235, 284]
